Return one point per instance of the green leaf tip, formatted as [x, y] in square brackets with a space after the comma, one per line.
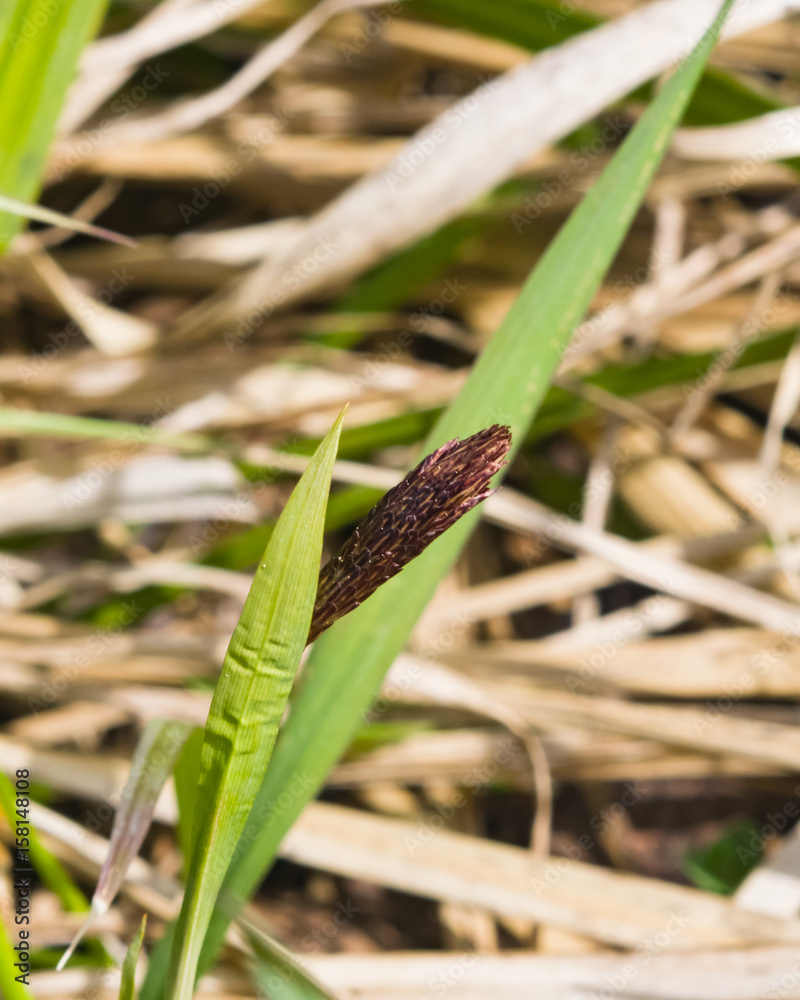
[249, 701]
[127, 987]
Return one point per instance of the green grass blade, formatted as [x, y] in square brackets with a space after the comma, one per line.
[187, 767]
[506, 385]
[396, 280]
[127, 986]
[531, 24]
[39, 53]
[249, 702]
[723, 865]
[26, 423]
[47, 215]
[558, 410]
[279, 973]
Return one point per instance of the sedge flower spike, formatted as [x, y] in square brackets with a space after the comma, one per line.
[431, 498]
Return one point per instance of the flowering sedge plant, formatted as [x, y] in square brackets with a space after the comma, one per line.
[431, 498]
[280, 616]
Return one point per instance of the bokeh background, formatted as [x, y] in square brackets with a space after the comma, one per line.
[585, 782]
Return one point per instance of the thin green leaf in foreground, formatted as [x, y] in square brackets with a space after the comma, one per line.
[249, 702]
[187, 767]
[279, 973]
[40, 46]
[127, 986]
[41, 214]
[506, 386]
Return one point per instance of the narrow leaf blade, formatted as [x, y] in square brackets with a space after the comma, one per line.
[41, 214]
[127, 987]
[187, 767]
[249, 701]
[279, 973]
[39, 52]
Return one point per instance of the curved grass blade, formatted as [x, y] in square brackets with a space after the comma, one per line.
[506, 385]
[249, 702]
[23, 423]
[187, 767]
[127, 986]
[279, 972]
[40, 214]
[39, 50]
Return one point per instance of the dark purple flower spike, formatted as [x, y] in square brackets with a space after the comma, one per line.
[431, 498]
